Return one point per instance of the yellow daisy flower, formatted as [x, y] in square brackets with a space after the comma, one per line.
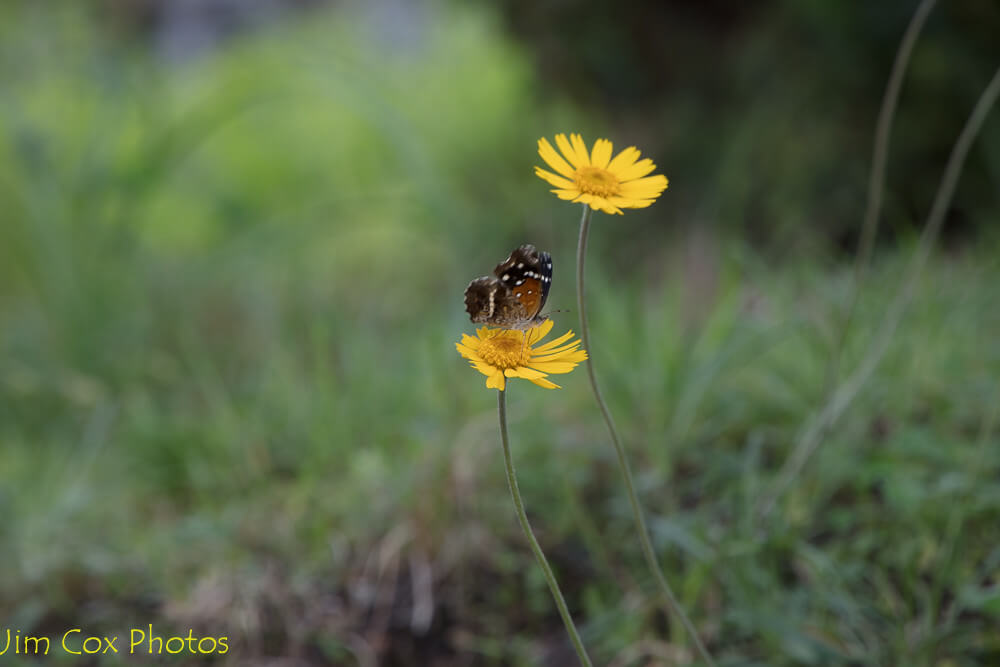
[508, 353]
[594, 178]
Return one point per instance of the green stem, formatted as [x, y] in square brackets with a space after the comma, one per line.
[880, 151]
[812, 438]
[535, 548]
[647, 546]
[876, 184]
[847, 391]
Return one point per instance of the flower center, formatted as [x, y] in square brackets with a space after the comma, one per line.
[504, 351]
[595, 181]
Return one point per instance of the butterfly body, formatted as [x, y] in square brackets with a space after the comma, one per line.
[514, 296]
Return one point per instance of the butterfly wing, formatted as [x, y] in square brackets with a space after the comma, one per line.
[481, 299]
[527, 273]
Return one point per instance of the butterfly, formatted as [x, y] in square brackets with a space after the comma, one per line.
[514, 296]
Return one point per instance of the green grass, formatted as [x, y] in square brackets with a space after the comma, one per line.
[230, 400]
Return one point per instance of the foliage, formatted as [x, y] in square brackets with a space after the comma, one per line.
[229, 401]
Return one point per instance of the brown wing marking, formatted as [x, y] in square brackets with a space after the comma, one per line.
[480, 299]
[530, 295]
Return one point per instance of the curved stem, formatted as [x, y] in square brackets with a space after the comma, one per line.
[876, 181]
[647, 546]
[813, 436]
[550, 578]
[851, 387]
[880, 150]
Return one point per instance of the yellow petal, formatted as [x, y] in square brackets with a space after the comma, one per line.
[601, 154]
[542, 382]
[645, 194]
[637, 170]
[524, 372]
[496, 381]
[581, 148]
[552, 343]
[557, 181]
[568, 151]
[566, 352]
[487, 332]
[562, 355]
[483, 367]
[568, 195]
[466, 352]
[555, 366]
[619, 200]
[633, 202]
[539, 332]
[471, 342]
[624, 159]
[553, 159]
[654, 184]
[602, 204]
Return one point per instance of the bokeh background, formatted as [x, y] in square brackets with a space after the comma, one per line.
[234, 237]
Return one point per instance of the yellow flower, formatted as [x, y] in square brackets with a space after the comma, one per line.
[594, 178]
[508, 353]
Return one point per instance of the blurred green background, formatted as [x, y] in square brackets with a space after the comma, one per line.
[234, 238]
